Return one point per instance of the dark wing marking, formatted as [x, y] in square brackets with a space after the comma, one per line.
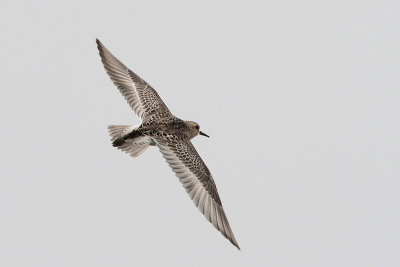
[184, 160]
[141, 97]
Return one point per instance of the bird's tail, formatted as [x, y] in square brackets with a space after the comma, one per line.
[133, 146]
[117, 133]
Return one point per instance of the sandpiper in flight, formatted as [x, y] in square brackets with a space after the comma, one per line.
[170, 134]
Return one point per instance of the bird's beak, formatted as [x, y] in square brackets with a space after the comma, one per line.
[201, 133]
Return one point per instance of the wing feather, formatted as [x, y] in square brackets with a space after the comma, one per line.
[141, 97]
[198, 182]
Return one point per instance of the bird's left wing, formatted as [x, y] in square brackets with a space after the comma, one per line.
[142, 98]
[184, 160]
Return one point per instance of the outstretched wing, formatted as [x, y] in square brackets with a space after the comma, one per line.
[184, 160]
[142, 98]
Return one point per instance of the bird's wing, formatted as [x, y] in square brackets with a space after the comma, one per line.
[142, 98]
[193, 173]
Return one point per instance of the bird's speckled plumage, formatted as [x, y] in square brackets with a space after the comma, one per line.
[170, 134]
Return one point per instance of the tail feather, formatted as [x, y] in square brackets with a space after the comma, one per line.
[118, 131]
[135, 146]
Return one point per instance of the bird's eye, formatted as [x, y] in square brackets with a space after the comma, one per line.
[197, 127]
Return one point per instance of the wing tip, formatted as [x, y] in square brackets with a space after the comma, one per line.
[227, 231]
[234, 242]
[98, 42]
[100, 47]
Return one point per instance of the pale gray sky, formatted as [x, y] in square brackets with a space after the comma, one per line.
[301, 100]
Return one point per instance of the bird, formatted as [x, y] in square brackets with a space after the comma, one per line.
[160, 128]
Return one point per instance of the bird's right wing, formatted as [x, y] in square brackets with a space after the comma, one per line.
[142, 98]
[184, 160]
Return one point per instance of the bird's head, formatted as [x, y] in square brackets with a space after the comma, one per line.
[195, 129]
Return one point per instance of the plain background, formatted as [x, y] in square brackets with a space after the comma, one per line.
[301, 100]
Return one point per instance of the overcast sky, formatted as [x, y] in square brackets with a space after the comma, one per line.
[301, 100]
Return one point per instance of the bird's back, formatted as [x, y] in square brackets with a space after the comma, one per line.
[170, 128]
